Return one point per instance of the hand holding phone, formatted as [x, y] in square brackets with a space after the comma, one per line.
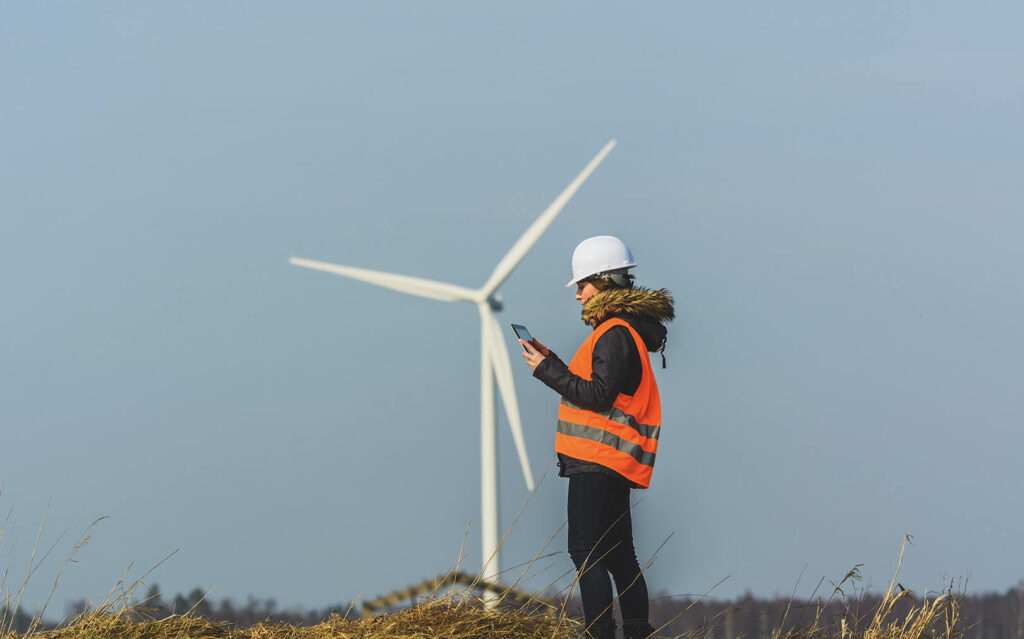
[522, 333]
[533, 351]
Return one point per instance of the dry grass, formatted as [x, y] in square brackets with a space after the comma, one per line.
[463, 618]
[446, 618]
[460, 614]
[897, 616]
[930, 619]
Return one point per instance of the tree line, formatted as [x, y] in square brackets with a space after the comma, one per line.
[982, 616]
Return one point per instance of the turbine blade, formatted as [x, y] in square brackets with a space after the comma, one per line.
[403, 283]
[503, 374]
[532, 234]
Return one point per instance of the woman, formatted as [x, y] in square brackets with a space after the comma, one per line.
[608, 424]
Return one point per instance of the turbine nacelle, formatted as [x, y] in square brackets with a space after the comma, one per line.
[495, 302]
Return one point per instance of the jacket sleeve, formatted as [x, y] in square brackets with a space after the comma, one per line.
[614, 355]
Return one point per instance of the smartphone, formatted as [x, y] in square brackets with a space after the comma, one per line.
[522, 333]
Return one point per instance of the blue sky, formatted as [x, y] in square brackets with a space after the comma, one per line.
[831, 191]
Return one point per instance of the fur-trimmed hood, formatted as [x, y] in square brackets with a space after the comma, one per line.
[645, 309]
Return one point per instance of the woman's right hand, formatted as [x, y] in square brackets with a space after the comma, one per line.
[533, 355]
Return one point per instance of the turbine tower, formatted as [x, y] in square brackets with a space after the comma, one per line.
[494, 360]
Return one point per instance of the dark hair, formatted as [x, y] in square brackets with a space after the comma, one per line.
[607, 282]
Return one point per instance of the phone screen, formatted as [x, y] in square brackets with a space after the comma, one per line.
[522, 333]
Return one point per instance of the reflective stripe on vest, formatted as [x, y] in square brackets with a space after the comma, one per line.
[623, 437]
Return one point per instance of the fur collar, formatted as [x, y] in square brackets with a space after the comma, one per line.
[638, 301]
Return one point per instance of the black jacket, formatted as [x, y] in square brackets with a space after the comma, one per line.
[616, 361]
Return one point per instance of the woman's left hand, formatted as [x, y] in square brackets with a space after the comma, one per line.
[532, 355]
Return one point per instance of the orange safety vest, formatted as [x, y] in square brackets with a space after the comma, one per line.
[623, 437]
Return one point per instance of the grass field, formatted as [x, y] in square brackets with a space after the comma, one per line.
[935, 619]
[460, 616]
[459, 613]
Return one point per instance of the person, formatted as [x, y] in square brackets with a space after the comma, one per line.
[609, 419]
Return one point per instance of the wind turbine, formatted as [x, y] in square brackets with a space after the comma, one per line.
[494, 361]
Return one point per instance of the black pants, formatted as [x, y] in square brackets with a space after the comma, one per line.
[601, 542]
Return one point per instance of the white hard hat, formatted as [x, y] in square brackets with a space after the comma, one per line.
[599, 254]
